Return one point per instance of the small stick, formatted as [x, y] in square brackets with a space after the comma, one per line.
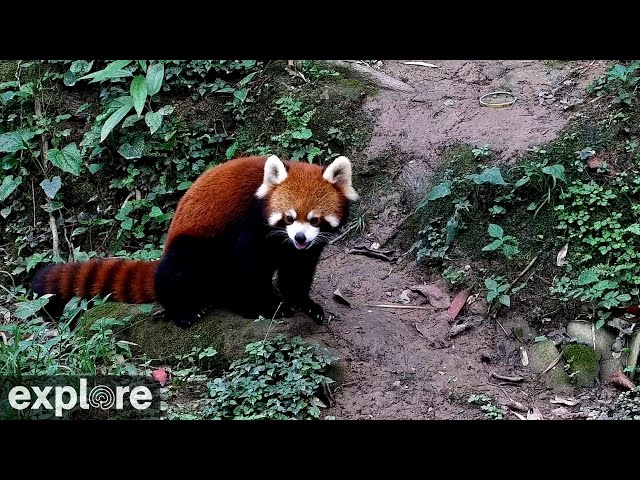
[521, 274]
[418, 307]
[342, 235]
[505, 378]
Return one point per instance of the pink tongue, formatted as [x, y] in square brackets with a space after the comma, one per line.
[299, 246]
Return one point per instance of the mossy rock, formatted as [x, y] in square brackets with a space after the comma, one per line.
[541, 355]
[584, 364]
[226, 332]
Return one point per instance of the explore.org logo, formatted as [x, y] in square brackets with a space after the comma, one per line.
[79, 397]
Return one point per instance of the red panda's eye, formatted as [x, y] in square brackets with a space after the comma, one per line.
[288, 219]
[314, 221]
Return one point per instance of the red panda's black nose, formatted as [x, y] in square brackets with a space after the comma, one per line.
[300, 238]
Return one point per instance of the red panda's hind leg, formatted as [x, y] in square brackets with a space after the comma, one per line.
[189, 279]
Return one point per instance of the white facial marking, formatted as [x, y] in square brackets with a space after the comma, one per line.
[311, 214]
[292, 213]
[274, 174]
[310, 233]
[274, 218]
[332, 220]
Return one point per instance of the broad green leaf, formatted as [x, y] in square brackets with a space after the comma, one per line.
[5, 212]
[80, 67]
[52, 206]
[155, 212]
[130, 151]
[491, 295]
[488, 175]
[28, 309]
[95, 167]
[623, 297]
[183, 185]
[587, 277]
[231, 151]
[521, 182]
[155, 75]
[131, 120]
[246, 79]
[493, 245]
[115, 117]
[127, 224]
[240, 94]
[8, 185]
[556, 171]
[153, 121]
[143, 64]
[495, 231]
[114, 70]
[502, 288]
[439, 191]
[600, 323]
[51, 187]
[138, 92]
[68, 159]
[491, 284]
[505, 300]
[12, 142]
[302, 134]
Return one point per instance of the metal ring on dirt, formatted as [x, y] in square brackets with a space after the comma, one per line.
[498, 105]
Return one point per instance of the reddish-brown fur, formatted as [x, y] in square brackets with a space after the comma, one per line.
[219, 197]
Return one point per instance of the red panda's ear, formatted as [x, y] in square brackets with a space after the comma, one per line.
[339, 173]
[274, 173]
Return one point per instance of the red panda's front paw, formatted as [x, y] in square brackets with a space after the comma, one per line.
[314, 311]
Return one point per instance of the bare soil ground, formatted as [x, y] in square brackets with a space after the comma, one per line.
[393, 370]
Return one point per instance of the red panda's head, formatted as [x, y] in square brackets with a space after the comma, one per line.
[306, 200]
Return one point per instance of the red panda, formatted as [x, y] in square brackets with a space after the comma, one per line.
[238, 224]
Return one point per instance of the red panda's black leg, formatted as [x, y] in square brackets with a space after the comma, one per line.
[185, 280]
[295, 276]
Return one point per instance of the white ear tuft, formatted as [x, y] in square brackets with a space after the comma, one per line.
[274, 173]
[339, 173]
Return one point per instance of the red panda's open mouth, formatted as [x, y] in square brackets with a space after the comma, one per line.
[301, 246]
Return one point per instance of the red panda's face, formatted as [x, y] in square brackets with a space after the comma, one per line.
[304, 200]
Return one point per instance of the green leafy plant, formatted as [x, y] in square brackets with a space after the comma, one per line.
[507, 244]
[497, 290]
[491, 411]
[481, 151]
[277, 379]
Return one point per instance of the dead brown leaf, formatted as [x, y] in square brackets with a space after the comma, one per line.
[569, 402]
[561, 259]
[339, 298]
[461, 327]
[422, 64]
[620, 380]
[513, 405]
[437, 297]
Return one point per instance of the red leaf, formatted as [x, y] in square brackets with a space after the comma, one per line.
[620, 380]
[160, 376]
[457, 303]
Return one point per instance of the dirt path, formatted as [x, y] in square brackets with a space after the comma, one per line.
[393, 370]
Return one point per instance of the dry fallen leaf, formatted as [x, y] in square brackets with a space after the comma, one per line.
[570, 402]
[513, 405]
[561, 259]
[457, 303]
[620, 380]
[534, 414]
[375, 246]
[422, 64]
[525, 356]
[339, 298]
[437, 297]
[160, 376]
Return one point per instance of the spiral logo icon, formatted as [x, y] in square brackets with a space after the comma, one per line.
[102, 397]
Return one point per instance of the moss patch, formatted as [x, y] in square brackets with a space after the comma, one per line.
[583, 364]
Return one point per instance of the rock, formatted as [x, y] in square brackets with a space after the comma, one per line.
[541, 355]
[519, 327]
[634, 350]
[584, 364]
[583, 333]
[227, 332]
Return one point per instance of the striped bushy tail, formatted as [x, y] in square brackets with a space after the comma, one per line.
[128, 281]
